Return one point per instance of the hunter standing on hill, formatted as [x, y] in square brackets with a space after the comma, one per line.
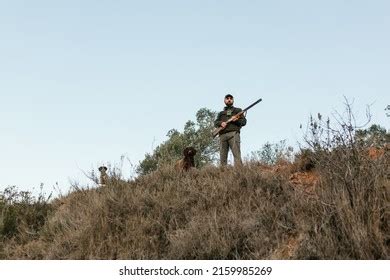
[229, 136]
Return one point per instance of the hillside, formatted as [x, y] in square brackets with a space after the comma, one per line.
[339, 210]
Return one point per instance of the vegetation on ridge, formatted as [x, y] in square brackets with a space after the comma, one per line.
[249, 212]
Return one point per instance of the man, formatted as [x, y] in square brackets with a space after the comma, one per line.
[229, 136]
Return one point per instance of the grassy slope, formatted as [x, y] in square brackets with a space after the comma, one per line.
[214, 213]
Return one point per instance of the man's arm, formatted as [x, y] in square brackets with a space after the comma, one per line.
[241, 121]
[218, 121]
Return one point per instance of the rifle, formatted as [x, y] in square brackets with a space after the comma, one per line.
[238, 115]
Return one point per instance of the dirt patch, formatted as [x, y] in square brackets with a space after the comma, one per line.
[305, 181]
[375, 153]
[287, 250]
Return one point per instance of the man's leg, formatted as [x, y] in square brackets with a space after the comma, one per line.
[235, 145]
[223, 149]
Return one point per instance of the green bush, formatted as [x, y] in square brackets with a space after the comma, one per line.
[21, 214]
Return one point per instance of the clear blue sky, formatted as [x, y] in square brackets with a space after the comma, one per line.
[84, 82]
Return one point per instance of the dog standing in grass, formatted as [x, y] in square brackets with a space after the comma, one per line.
[188, 161]
[103, 175]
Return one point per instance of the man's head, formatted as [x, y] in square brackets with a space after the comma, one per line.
[229, 100]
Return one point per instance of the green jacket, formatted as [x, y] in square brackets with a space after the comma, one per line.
[226, 114]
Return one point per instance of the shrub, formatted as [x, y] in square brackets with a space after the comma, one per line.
[21, 214]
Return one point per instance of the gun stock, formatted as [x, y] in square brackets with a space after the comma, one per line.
[216, 131]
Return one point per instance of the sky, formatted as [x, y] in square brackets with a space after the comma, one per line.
[86, 83]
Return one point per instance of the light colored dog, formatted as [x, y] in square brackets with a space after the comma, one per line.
[103, 175]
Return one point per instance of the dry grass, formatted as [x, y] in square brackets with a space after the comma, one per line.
[248, 212]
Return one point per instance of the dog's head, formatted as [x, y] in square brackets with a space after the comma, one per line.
[189, 152]
[102, 169]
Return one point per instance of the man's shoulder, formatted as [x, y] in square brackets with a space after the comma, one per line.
[234, 109]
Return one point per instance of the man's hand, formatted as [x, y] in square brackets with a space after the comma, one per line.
[223, 124]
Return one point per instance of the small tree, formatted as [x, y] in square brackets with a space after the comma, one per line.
[197, 135]
[375, 135]
[272, 153]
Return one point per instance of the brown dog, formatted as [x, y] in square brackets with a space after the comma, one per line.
[103, 175]
[187, 162]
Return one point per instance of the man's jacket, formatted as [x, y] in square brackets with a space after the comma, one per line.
[226, 114]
